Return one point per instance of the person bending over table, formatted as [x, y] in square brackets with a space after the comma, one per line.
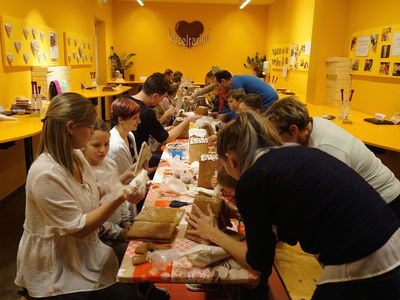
[60, 255]
[251, 102]
[154, 90]
[291, 119]
[314, 199]
[250, 84]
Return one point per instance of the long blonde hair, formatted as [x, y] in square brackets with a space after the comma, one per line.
[55, 139]
[247, 135]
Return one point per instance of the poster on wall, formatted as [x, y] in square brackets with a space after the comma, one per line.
[363, 46]
[396, 44]
[53, 47]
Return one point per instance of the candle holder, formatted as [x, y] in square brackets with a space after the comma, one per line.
[346, 105]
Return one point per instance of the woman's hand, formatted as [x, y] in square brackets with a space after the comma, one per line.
[204, 225]
[135, 195]
[128, 174]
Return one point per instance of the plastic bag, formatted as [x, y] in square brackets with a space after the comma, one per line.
[203, 255]
[140, 181]
[160, 259]
[110, 183]
[176, 185]
[177, 166]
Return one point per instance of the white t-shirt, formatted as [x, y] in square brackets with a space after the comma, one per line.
[120, 153]
[50, 260]
[119, 150]
[334, 140]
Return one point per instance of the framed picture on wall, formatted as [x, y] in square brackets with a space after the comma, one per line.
[53, 47]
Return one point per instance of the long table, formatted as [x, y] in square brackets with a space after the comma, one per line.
[24, 127]
[99, 93]
[382, 136]
[181, 270]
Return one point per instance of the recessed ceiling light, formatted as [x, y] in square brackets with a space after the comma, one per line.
[140, 2]
[244, 4]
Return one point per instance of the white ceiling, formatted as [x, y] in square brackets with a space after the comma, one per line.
[236, 2]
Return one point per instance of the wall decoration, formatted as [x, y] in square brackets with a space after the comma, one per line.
[34, 33]
[17, 45]
[396, 69]
[368, 65]
[188, 34]
[385, 52]
[384, 68]
[78, 51]
[53, 47]
[10, 58]
[355, 64]
[295, 56]
[381, 48]
[8, 28]
[396, 44]
[26, 32]
[386, 34]
[35, 47]
[42, 36]
[22, 43]
[26, 57]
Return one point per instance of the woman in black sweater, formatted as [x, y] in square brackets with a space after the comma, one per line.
[313, 199]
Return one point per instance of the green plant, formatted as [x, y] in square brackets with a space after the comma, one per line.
[122, 62]
[256, 63]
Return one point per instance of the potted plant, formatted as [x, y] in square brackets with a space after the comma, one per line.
[256, 63]
[120, 63]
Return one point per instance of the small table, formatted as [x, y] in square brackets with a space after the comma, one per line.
[99, 93]
[181, 270]
[24, 127]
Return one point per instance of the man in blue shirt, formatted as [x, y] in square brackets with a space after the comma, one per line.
[250, 84]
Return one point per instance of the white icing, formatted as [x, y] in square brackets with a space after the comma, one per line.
[198, 140]
[197, 132]
[207, 157]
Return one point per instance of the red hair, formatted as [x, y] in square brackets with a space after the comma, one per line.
[124, 108]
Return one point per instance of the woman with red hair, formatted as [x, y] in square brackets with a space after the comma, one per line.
[125, 114]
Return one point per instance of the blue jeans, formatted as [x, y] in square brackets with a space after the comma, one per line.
[382, 287]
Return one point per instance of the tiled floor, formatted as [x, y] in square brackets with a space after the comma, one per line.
[12, 214]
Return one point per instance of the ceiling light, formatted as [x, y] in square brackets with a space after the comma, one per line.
[140, 2]
[243, 4]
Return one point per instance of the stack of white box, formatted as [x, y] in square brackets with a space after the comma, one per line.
[338, 77]
[44, 75]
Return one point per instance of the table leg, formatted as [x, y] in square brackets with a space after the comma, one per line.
[28, 153]
[103, 108]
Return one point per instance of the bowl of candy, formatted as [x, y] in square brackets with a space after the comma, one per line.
[177, 148]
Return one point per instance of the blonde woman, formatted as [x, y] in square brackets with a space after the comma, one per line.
[313, 199]
[60, 255]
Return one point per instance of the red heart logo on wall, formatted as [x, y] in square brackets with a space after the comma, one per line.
[189, 30]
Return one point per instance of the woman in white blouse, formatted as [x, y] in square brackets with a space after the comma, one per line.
[125, 114]
[60, 254]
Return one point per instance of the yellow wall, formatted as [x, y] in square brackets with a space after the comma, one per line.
[290, 21]
[328, 38]
[74, 16]
[235, 34]
[373, 94]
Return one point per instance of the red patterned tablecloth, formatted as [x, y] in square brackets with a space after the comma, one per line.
[180, 270]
